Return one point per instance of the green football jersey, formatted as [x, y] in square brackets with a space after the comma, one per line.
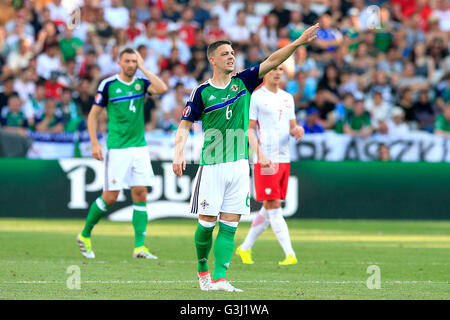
[441, 123]
[124, 104]
[224, 113]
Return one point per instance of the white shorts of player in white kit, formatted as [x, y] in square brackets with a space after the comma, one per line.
[127, 167]
[222, 187]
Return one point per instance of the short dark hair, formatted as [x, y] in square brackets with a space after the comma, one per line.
[213, 46]
[126, 50]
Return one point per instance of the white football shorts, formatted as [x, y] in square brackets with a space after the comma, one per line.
[127, 167]
[223, 187]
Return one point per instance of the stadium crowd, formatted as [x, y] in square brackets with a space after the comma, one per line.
[377, 67]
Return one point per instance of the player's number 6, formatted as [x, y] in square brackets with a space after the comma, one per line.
[229, 113]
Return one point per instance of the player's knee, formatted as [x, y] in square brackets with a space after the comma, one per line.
[272, 204]
[110, 197]
[139, 195]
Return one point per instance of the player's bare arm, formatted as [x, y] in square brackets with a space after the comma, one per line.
[92, 129]
[254, 144]
[279, 56]
[179, 164]
[157, 86]
[295, 130]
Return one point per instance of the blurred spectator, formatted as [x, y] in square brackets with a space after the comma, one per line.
[201, 15]
[108, 62]
[442, 123]
[142, 10]
[197, 67]
[239, 33]
[84, 99]
[311, 125]
[406, 102]
[8, 91]
[47, 36]
[396, 124]
[58, 13]
[173, 60]
[19, 59]
[226, 12]
[150, 114]
[71, 113]
[323, 104]
[358, 123]
[102, 29]
[179, 75]
[161, 23]
[330, 82]
[425, 113]
[442, 11]
[309, 16]
[150, 40]
[53, 88]
[68, 76]
[35, 104]
[328, 38]
[252, 58]
[174, 98]
[69, 45]
[50, 121]
[377, 108]
[442, 91]
[410, 79]
[252, 20]
[117, 15]
[49, 61]
[303, 88]
[213, 30]
[424, 65]
[283, 14]
[338, 116]
[187, 27]
[12, 118]
[171, 11]
[269, 32]
[135, 27]
[25, 84]
[383, 152]
[174, 41]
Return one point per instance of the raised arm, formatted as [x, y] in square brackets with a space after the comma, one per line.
[157, 86]
[279, 56]
[179, 164]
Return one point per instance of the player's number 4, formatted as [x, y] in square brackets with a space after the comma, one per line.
[132, 107]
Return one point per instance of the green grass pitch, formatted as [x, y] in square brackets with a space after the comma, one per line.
[413, 257]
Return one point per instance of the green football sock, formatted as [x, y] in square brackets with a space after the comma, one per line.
[140, 220]
[96, 212]
[203, 244]
[223, 250]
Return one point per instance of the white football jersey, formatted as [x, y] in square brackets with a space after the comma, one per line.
[273, 113]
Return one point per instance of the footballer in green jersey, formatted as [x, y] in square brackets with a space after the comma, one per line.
[127, 160]
[221, 186]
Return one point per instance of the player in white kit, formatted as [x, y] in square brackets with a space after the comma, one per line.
[272, 115]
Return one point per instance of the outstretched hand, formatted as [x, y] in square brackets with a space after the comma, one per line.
[309, 34]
